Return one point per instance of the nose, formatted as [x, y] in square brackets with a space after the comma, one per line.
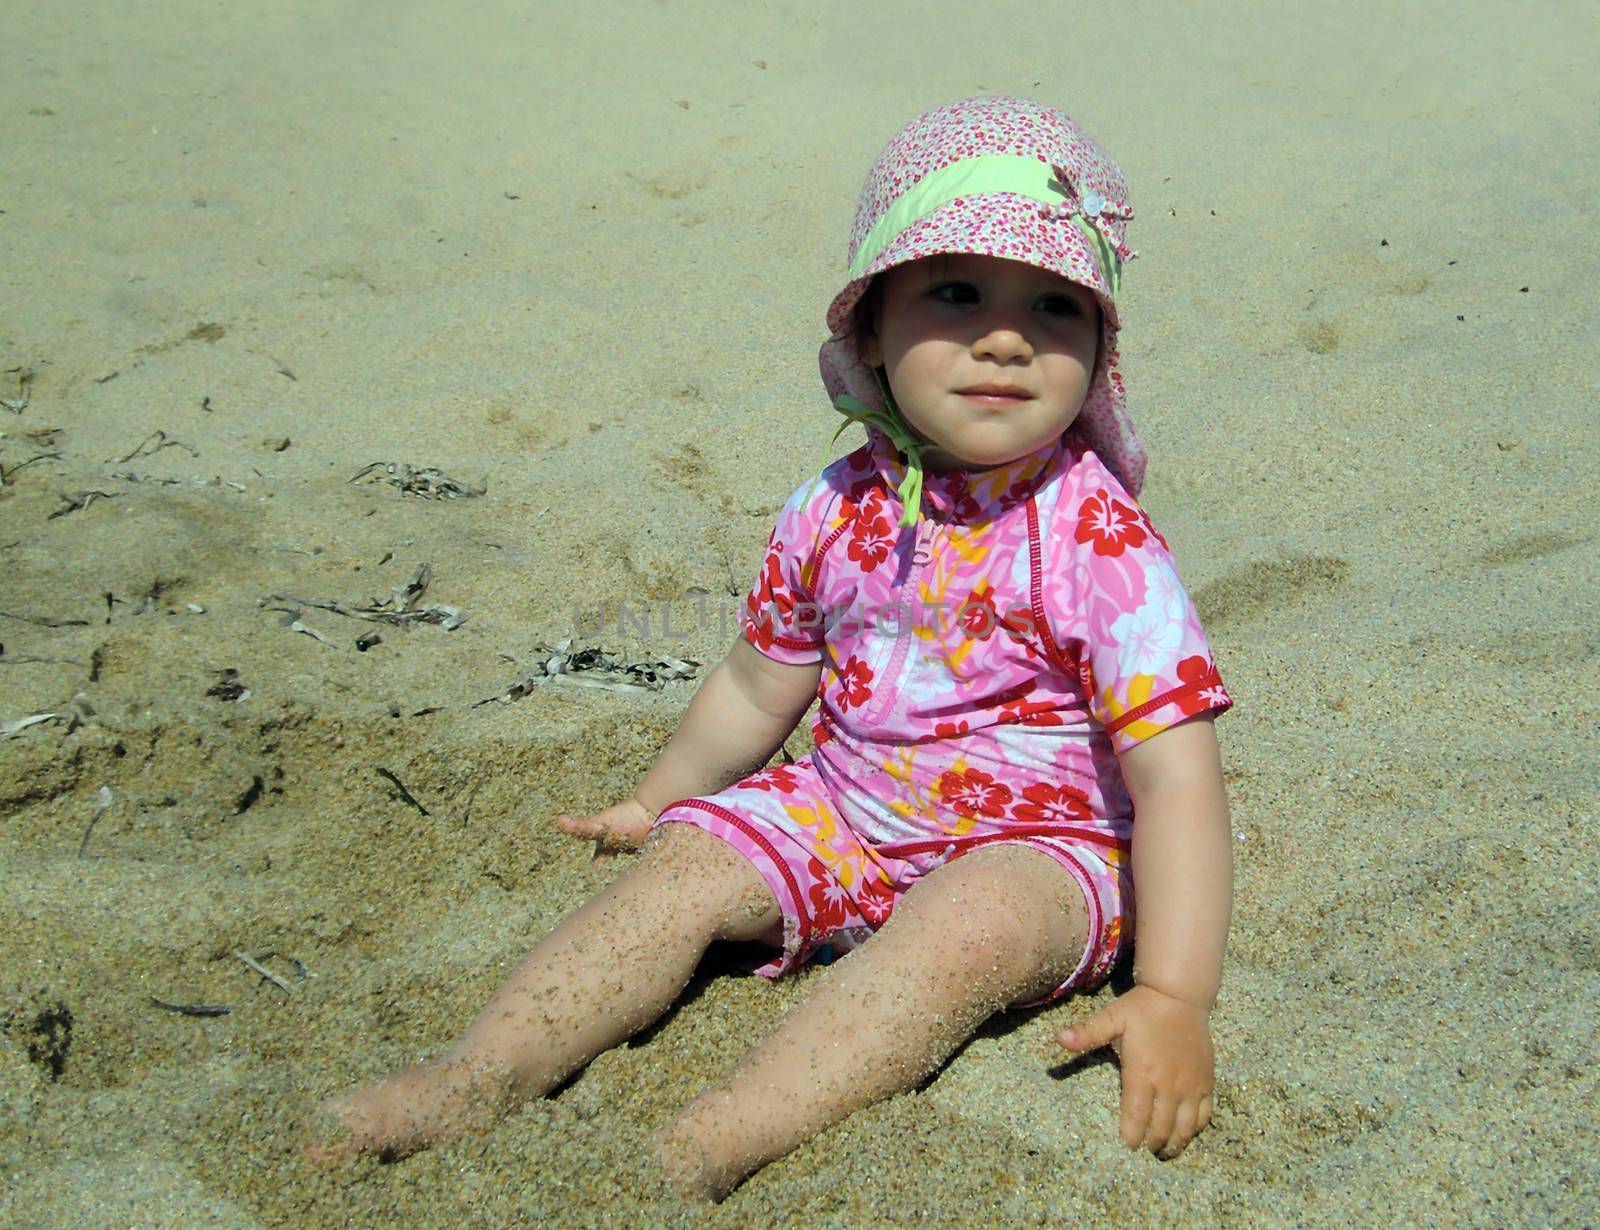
[1002, 344]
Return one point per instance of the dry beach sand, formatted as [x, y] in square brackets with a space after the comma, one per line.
[580, 254]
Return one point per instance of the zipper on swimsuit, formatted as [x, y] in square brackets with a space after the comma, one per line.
[922, 555]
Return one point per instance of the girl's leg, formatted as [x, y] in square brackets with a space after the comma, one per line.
[609, 969]
[999, 926]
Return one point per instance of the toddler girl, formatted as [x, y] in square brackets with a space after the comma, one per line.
[1009, 674]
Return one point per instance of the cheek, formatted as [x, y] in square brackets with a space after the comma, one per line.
[916, 364]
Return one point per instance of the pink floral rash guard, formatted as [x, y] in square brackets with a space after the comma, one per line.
[980, 674]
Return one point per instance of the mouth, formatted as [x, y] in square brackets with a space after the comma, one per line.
[995, 394]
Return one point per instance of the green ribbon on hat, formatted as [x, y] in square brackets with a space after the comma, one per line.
[1017, 174]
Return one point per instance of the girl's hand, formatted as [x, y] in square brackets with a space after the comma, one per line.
[1167, 1066]
[620, 827]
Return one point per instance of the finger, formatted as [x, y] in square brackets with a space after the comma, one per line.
[1137, 1101]
[1184, 1126]
[1101, 1029]
[572, 826]
[1163, 1114]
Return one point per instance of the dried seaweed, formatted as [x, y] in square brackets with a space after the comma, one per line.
[228, 686]
[253, 961]
[17, 659]
[79, 501]
[400, 607]
[161, 440]
[21, 465]
[594, 668]
[216, 480]
[102, 804]
[39, 437]
[71, 716]
[400, 786]
[422, 481]
[193, 1009]
[296, 625]
[44, 621]
[19, 403]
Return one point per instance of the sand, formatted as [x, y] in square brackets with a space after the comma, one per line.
[580, 254]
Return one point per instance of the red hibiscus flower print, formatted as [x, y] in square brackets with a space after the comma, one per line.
[978, 617]
[855, 679]
[966, 508]
[875, 900]
[1110, 524]
[974, 793]
[1020, 627]
[780, 777]
[870, 542]
[1013, 708]
[1030, 713]
[865, 501]
[827, 898]
[760, 629]
[949, 730]
[865, 491]
[1200, 675]
[1020, 489]
[1047, 803]
[820, 733]
[771, 599]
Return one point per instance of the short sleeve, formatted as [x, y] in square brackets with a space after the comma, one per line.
[1143, 660]
[781, 616]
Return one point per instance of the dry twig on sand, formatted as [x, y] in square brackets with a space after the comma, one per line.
[250, 959]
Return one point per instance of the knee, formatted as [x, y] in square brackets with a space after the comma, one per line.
[1006, 918]
[717, 882]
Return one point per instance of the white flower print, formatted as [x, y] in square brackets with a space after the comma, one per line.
[1148, 641]
[1162, 587]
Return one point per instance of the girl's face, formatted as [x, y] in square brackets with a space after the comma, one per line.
[988, 359]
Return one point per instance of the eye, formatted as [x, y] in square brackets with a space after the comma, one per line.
[954, 292]
[1059, 305]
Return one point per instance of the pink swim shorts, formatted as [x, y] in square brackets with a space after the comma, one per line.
[835, 887]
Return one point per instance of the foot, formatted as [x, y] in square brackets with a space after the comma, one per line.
[406, 1113]
[696, 1169]
[622, 826]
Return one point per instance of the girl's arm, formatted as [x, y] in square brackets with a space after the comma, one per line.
[742, 713]
[1182, 861]
[740, 716]
[1183, 880]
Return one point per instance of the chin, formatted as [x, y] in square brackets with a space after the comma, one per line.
[1004, 456]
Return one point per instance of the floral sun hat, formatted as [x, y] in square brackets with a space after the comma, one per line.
[1004, 177]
